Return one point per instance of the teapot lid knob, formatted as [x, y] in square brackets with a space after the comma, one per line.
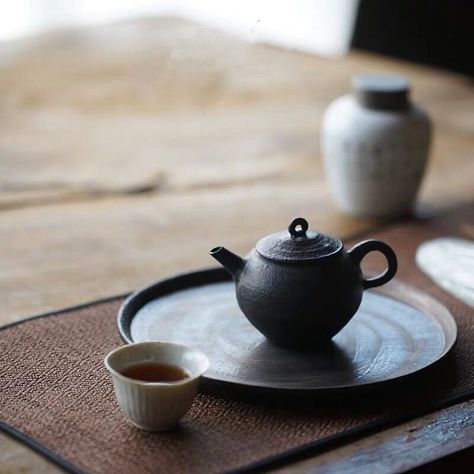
[298, 244]
[298, 227]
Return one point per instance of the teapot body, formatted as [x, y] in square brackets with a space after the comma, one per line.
[299, 306]
[299, 290]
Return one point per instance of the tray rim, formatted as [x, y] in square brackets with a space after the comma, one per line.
[203, 276]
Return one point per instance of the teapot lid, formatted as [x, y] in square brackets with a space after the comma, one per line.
[298, 244]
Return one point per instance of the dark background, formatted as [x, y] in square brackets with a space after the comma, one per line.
[436, 32]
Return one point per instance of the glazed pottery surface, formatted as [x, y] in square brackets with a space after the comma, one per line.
[375, 145]
[155, 406]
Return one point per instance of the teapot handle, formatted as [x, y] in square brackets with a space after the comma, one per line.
[359, 251]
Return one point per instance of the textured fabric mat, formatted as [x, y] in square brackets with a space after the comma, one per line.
[56, 395]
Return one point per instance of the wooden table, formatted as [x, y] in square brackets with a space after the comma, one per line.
[127, 151]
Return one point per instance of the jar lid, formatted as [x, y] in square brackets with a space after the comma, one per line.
[298, 244]
[381, 91]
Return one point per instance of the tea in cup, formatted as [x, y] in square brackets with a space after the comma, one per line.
[155, 382]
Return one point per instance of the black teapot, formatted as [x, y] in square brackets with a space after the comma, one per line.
[300, 288]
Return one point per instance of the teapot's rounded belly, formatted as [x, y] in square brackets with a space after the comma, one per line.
[300, 308]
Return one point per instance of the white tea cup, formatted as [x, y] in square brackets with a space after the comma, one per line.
[155, 405]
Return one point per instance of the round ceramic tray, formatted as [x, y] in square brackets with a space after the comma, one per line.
[396, 331]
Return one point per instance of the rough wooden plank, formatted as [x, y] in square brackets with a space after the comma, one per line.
[15, 458]
[398, 449]
[165, 104]
[66, 254]
[218, 135]
[63, 254]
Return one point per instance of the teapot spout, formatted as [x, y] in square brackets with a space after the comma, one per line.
[231, 262]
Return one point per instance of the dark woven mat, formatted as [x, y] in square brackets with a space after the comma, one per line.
[56, 395]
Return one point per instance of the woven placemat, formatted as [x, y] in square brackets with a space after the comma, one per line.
[56, 396]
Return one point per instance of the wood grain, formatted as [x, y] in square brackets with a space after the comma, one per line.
[110, 149]
[401, 448]
[127, 149]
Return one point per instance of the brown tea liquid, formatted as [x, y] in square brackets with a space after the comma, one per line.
[155, 372]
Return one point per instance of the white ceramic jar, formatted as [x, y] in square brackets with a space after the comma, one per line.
[375, 145]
